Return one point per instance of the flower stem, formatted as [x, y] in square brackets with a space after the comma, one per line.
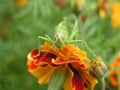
[119, 82]
[102, 80]
[80, 27]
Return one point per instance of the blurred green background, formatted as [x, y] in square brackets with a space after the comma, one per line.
[19, 28]
[21, 24]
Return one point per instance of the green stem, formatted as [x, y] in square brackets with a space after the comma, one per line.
[77, 36]
[119, 82]
[38, 46]
[102, 83]
[80, 24]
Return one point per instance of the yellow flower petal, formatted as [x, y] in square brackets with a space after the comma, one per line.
[115, 13]
[69, 53]
[47, 47]
[113, 77]
[67, 84]
[43, 74]
[90, 80]
[102, 13]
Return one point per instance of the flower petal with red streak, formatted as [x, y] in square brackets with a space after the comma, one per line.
[83, 70]
[34, 59]
[77, 81]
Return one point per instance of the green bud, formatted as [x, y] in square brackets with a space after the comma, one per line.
[97, 68]
[77, 6]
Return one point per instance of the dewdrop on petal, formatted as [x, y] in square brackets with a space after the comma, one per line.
[97, 68]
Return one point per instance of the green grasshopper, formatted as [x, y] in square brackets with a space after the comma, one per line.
[62, 36]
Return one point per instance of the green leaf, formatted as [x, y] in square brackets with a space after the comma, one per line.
[58, 78]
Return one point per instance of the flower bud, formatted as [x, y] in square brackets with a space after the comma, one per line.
[21, 3]
[61, 3]
[97, 68]
[83, 18]
[102, 8]
[77, 6]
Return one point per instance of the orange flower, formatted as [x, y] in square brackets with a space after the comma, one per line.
[3, 32]
[113, 77]
[61, 3]
[68, 57]
[102, 8]
[115, 14]
[20, 2]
